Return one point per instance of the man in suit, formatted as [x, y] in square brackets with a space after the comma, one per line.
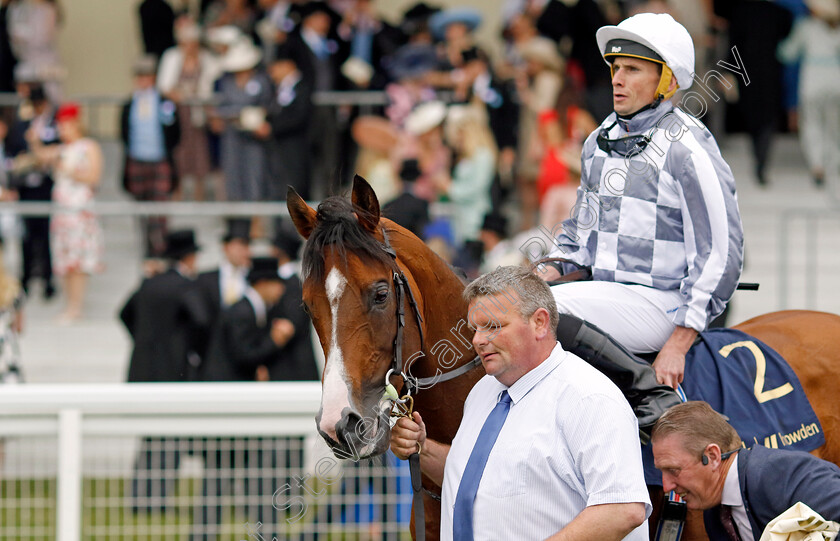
[163, 319]
[741, 490]
[150, 131]
[245, 342]
[287, 120]
[296, 360]
[407, 209]
[220, 288]
[35, 185]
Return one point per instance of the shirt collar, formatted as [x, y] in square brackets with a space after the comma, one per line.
[258, 303]
[644, 120]
[731, 487]
[523, 385]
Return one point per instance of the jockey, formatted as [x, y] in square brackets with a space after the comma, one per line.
[656, 219]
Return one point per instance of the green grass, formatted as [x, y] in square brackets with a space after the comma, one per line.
[28, 512]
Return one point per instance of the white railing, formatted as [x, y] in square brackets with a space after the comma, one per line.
[73, 417]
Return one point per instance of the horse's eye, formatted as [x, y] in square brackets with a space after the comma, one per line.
[381, 296]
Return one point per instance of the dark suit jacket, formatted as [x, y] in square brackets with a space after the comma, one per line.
[772, 480]
[409, 211]
[295, 361]
[288, 148]
[162, 320]
[306, 61]
[238, 345]
[171, 136]
[157, 22]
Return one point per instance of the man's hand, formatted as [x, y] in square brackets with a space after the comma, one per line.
[408, 435]
[670, 367]
[670, 363]
[282, 330]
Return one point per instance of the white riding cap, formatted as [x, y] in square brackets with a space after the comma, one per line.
[658, 32]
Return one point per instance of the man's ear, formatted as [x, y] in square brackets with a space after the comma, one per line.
[673, 85]
[712, 455]
[542, 322]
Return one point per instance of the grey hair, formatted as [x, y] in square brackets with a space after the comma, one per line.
[533, 292]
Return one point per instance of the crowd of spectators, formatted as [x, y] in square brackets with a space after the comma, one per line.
[222, 109]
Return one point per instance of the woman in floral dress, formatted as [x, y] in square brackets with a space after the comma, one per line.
[76, 234]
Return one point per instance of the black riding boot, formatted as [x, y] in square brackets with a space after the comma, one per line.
[633, 376]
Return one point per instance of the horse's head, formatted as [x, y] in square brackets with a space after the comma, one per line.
[350, 291]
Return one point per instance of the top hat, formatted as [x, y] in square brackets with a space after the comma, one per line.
[495, 223]
[238, 229]
[410, 170]
[316, 6]
[264, 268]
[287, 240]
[145, 65]
[180, 244]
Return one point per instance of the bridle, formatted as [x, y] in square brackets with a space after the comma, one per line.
[402, 290]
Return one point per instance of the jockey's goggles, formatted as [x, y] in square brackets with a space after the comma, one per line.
[625, 47]
[625, 146]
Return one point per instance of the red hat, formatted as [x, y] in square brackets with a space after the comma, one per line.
[68, 111]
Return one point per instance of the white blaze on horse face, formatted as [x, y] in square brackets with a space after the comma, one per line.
[336, 392]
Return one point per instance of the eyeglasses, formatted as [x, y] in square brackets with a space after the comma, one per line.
[624, 146]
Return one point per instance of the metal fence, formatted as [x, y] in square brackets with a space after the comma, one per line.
[179, 462]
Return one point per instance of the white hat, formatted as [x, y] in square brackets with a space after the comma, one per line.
[224, 35]
[658, 32]
[425, 117]
[241, 56]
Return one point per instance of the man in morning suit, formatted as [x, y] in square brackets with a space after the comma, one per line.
[245, 342]
[163, 320]
[741, 490]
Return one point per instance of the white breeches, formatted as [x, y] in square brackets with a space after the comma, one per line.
[638, 317]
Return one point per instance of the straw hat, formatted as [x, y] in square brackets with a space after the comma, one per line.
[241, 56]
[374, 133]
[425, 117]
[544, 51]
[828, 10]
[224, 35]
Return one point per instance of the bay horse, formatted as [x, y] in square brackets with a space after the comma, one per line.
[353, 263]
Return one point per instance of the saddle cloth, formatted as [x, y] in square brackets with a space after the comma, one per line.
[752, 385]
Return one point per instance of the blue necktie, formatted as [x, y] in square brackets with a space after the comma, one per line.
[463, 515]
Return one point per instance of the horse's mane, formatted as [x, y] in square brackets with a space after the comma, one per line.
[338, 226]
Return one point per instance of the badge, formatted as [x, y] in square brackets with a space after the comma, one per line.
[252, 88]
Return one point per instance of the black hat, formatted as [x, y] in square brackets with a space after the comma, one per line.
[411, 61]
[495, 223]
[416, 19]
[238, 229]
[285, 52]
[287, 240]
[37, 93]
[410, 170]
[316, 6]
[264, 268]
[180, 244]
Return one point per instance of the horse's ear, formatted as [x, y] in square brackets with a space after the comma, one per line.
[364, 199]
[303, 216]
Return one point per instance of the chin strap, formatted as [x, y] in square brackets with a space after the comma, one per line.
[662, 92]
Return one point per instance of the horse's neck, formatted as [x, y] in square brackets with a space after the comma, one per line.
[447, 339]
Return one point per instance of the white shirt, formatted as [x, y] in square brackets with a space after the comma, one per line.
[569, 441]
[258, 304]
[732, 497]
[234, 278]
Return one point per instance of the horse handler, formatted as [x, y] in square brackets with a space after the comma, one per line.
[656, 219]
[556, 438]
